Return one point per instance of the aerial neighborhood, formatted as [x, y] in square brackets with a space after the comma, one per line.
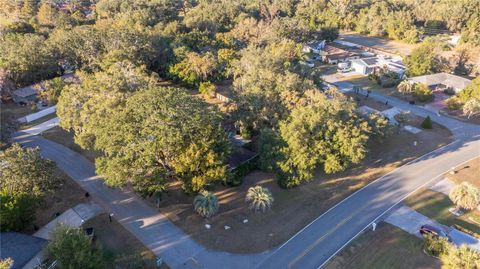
[241, 134]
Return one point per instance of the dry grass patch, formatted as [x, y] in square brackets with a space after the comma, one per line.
[387, 247]
[292, 209]
[469, 172]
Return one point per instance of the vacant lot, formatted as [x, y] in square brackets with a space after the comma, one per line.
[68, 196]
[377, 43]
[11, 110]
[293, 209]
[387, 247]
[469, 172]
[370, 102]
[435, 205]
[120, 246]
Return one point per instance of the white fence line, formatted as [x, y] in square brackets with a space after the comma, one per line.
[39, 114]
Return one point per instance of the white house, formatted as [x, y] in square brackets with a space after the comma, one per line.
[366, 66]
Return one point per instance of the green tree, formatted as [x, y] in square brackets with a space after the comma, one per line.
[29, 9]
[269, 149]
[405, 87]
[436, 246]
[423, 59]
[427, 123]
[460, 257]
[326, 133]
[422, 93]
[205, 204]
[27, 58]
[259, 198]
[163, 133]
[17, 211]
[472, 91]
[53, 89]
[194, 68]
[72, 248]
[25, 172]
[207, 89]
[471, 107]
[465, 196]
[47, 14]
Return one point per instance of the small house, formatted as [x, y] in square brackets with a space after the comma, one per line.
[25, 250]
[334, 55]
[366, 66]
[442, 81]
[314, 47]
[25, 95]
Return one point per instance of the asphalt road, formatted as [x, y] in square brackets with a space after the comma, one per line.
[317, 243]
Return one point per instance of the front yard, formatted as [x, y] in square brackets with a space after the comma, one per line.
[121, 248]
[435, 205]
[67, 196]
[387, 247]
[292, 209]
[469, 172]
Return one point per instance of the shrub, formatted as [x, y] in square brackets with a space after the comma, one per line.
[422, 93]
[461, 257]
[454, 103]
[465, 196]
[435, 246]
[72, 248]
[207, 89]
[427, 123]
[17, 211]
[205, 204]
[260, 198]
[449, 91]
[405, 87]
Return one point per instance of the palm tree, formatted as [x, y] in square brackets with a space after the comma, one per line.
[205, 204]
[260, 198]
[465, 196]
[405, 87]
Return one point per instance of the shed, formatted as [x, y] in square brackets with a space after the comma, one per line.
[25, 95]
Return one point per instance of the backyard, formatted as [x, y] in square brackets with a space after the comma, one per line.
[387, 247]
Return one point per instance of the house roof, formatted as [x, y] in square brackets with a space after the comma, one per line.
[20, 247]
[332, 52]
[239, 156]
[36, 88]
[446, 79]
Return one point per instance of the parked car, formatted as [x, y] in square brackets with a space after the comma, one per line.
[308, 63]
[435, 231]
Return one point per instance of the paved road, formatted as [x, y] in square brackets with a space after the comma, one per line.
[144, 222]
[312, 246]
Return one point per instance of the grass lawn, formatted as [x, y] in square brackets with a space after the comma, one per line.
[69, 195]
[387, 247]
[435, 205]
[65, 138]
[10, 110]
[370, 102]
[469, 172]
[119, 245]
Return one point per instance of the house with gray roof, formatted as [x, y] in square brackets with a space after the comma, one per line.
[442, 80]
[21, 248]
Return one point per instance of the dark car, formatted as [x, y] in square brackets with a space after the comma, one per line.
[435, 231]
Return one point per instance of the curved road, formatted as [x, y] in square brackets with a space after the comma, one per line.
[311, 247]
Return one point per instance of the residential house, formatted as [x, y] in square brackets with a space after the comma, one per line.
[334, 55]
[442, 81]
[314, 47]
[366, 66]
[25, 250]
[30, 93]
